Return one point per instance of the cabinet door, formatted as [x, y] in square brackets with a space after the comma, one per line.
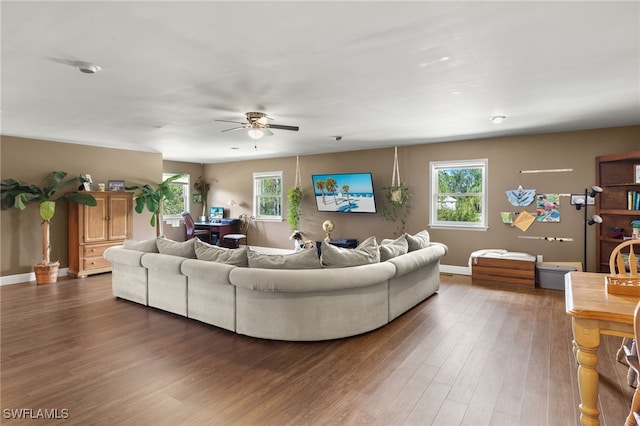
[119, 216]
[95, 223]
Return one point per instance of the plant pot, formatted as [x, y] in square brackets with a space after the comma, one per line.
[202, 218]
[46, 274]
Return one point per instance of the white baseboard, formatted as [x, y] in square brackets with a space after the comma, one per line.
[25, 278]
[457, 270]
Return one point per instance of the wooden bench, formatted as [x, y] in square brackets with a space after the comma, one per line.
[491, 270]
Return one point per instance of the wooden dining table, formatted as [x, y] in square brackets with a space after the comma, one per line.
[594, 312]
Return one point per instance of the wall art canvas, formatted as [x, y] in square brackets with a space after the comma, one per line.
[548, 207]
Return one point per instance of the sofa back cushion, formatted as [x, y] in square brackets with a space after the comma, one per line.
[304, 259]
[418, 241]
[177, 248]
[393, 248]
[147, 246]
[338, 257]
[236, 257]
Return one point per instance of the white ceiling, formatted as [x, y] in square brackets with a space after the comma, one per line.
[376, 73]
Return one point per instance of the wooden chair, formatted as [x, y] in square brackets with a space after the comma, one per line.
[191, 231]
[632, 360]
[234, 240]
[617, 266]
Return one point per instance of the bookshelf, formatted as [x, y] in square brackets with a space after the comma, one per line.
[617, 205]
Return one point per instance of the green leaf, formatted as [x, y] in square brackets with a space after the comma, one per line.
[47, 209]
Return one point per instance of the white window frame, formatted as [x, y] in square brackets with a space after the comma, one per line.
[435, 166]
[257, 177]
[186, 181]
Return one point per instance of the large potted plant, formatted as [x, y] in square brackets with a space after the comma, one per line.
[153, 198]
[202, 188]
[16, 194]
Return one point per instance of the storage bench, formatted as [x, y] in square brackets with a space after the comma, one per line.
[501, 266]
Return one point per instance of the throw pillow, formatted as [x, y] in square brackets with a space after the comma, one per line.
[304, 259]
[211, 253]
[147, 246]
[418, 241]
[177, 248]
[338, 257]
[392, 248]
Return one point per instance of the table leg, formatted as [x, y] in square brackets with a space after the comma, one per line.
[586, 335]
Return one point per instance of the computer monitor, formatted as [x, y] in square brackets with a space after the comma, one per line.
[216, 212]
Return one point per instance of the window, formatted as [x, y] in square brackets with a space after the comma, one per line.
[173, 209]
[267, 196]
[458, 194]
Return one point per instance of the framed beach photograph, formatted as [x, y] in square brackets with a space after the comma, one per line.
[115, 185]
[637, 174]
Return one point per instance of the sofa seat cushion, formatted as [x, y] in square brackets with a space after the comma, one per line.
[418, 241]
[211, 253]
[184, 249]
[338, 257]
[304, 259]
[393, 248]
[146, 246]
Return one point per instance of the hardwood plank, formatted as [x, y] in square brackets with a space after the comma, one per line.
[489, 354]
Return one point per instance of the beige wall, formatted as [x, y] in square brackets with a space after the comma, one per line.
[507, 156]
[31, 160]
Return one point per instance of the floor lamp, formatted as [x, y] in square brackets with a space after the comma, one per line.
[583, 202]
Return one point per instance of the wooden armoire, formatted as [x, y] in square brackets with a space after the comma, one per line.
[92, 230]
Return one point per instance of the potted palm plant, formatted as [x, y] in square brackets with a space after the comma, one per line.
[153, 199]
[16, 193]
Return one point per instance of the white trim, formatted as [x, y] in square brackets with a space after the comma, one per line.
[457, 270]
[28, 277]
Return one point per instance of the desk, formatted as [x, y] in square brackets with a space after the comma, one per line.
[594, 312]
[219, 229]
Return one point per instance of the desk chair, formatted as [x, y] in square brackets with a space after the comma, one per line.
[617, 266]
[234, 240]
[191, 231]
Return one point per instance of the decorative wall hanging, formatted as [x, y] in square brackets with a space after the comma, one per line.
[521, 196]
[524, 220]
[548, 208]
[507, 217]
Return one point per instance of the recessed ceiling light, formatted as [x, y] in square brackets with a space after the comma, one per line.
[495, 119]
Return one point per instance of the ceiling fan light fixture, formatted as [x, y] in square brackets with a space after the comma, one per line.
[255, 133]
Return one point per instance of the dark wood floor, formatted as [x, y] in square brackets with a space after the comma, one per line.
[470, 355]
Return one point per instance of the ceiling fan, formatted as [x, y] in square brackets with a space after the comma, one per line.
[258, 125]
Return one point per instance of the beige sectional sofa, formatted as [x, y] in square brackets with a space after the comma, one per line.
[295, 297]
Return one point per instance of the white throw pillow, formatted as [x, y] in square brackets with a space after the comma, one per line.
[418, 241]
[338, 257]
[304, 259]
[177, 248]
[147, 246]
[211, 253]
[392, 248]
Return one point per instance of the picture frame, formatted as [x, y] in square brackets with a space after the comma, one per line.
[115, 185]
[88, 185]
[637, 173]
[196, 198]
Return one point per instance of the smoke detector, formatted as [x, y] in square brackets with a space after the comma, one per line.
[87, 68]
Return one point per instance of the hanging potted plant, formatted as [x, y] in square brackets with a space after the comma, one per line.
[202, 188]
[16, 193]
[396, 198]
[153, 199]
[294, 196]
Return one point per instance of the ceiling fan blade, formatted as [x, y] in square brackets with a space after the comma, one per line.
[235, 128]
[229, 121]
[283, 127]
[267, 131]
